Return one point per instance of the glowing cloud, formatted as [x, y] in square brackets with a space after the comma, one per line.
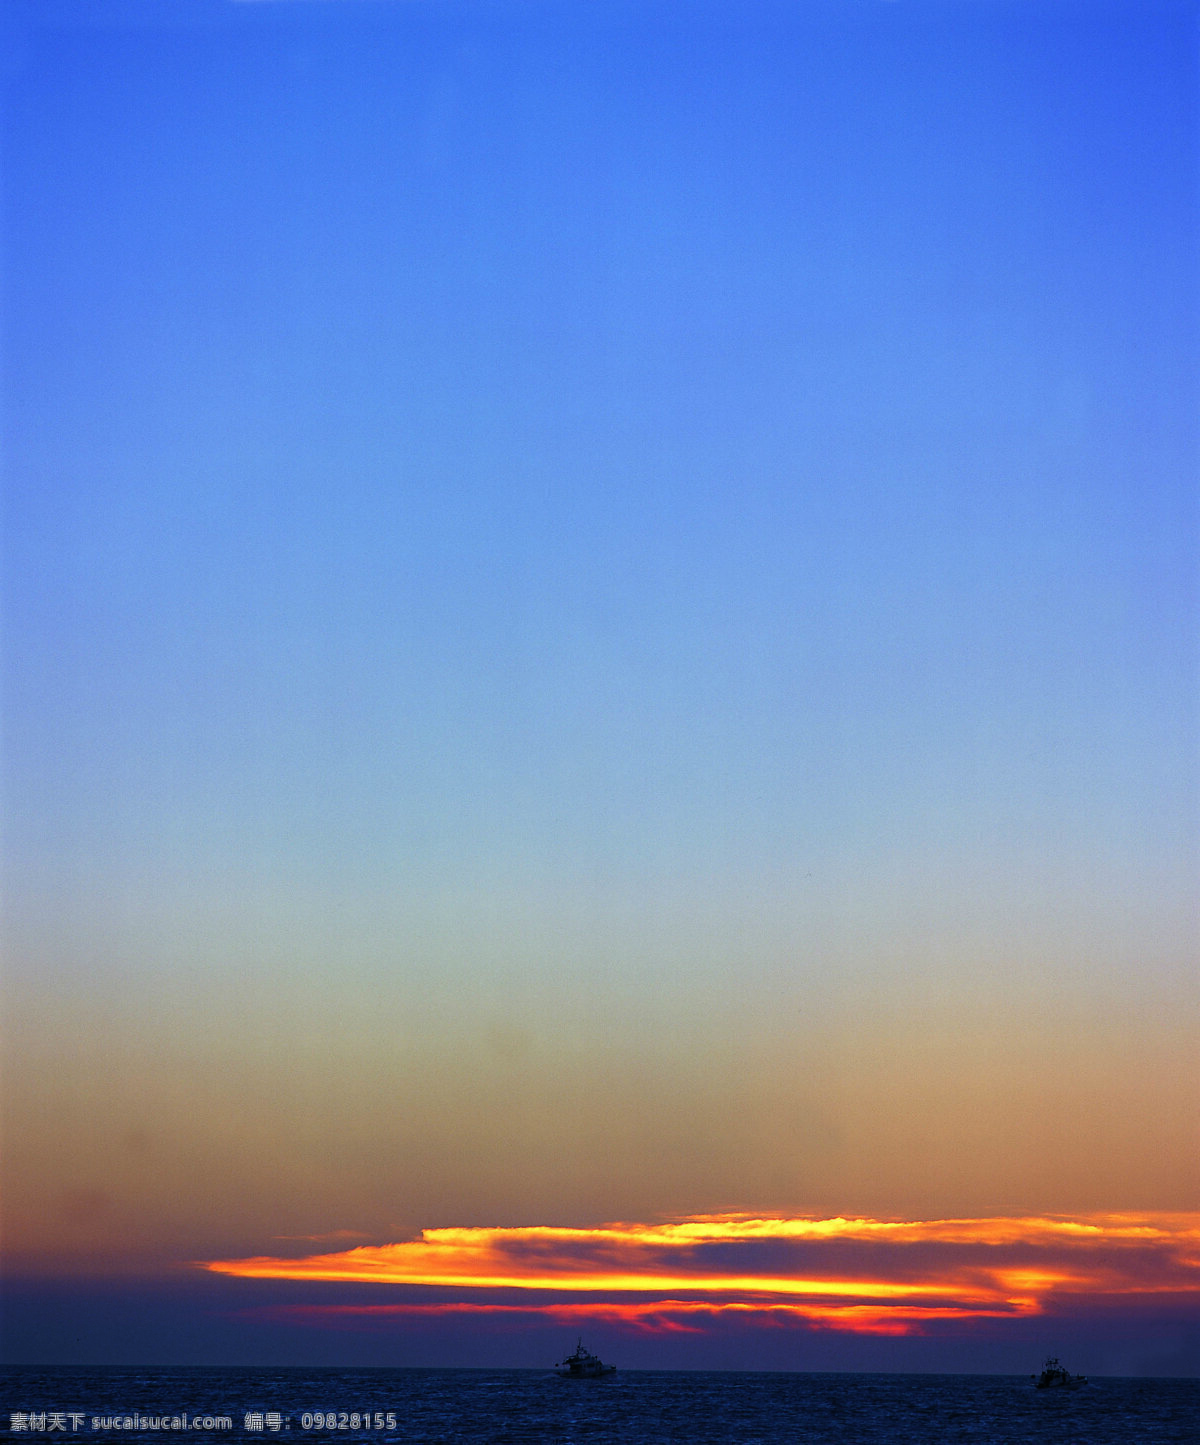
[867, 1275]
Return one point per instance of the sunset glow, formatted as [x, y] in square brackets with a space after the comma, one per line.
[877, 1276]
[662, 1316]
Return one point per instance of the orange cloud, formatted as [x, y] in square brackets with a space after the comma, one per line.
[867, 1275]
[658, 1316]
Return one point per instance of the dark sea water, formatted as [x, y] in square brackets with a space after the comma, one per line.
[638, 1407]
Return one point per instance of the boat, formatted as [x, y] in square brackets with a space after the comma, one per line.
[1055, 1377]
[583, 1365]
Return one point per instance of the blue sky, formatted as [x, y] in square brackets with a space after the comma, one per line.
[601, 548]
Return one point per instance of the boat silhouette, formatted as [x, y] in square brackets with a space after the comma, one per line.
[583, 1365]
[1055, 1377]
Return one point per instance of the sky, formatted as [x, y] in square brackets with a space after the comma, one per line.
[600, 682]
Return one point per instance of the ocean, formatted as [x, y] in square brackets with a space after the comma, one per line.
[636, 1407]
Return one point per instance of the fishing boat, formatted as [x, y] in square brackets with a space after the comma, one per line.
[583, 1365]
[1055, 1377]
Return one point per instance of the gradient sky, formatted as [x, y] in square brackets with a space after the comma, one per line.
[599, 625]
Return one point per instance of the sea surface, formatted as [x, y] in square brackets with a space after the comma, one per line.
[636, 1407]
